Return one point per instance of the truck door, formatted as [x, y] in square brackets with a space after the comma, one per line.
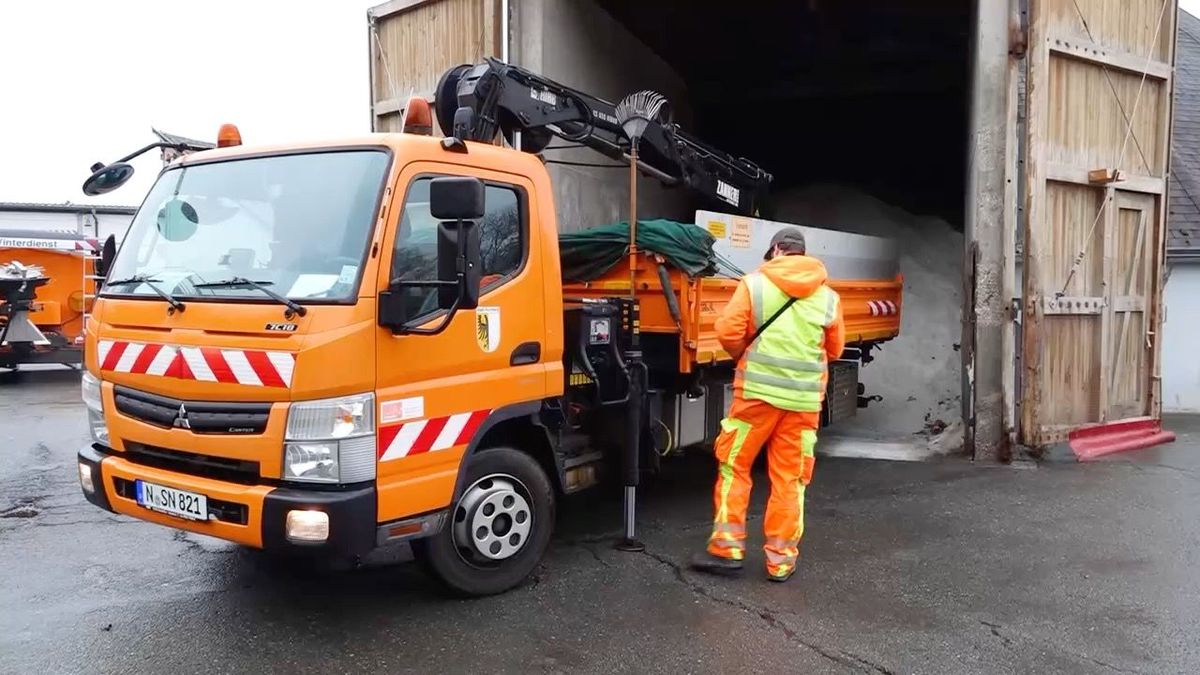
[1098, 135]
[435, 391]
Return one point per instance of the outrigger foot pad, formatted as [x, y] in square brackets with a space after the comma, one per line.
[629, 545]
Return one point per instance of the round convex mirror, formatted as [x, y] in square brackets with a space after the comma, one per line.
[177, 220]
[105, 179]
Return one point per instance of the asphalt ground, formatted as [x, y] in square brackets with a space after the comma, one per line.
[936, 567]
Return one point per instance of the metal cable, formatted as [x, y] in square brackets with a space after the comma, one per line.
[387, 70]
[587, 164]
[1124, 144]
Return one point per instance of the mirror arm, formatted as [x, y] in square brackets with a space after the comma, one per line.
[398, 283]
[461, 265]
[177, 146]
[406, 330]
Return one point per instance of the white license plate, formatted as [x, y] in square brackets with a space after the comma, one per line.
[177, 503]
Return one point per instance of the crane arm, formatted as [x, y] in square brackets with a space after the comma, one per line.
[510, 100]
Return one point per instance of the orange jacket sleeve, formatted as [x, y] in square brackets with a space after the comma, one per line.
[835, 334]
[736, 323]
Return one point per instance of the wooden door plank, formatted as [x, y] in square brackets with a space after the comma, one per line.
[1037, 100]
[1154, 291]
[1106, 319]
[1065, 173]
[1123, 336]
[1088, 51]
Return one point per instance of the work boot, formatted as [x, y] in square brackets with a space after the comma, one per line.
[715, 564]
[780, 577]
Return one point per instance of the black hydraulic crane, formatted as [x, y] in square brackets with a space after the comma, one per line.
[499, 97]
[475, 102]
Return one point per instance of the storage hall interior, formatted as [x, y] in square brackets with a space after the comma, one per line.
[859, 109]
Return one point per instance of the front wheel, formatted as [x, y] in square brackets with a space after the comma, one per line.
[499, 527]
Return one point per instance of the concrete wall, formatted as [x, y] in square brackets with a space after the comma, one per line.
[578, 44]
[1181, 368]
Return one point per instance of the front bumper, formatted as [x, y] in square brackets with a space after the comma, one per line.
[251, 515]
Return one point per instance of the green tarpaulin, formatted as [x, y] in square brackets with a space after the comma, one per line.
[588, 254]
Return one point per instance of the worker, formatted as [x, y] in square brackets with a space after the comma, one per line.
[783, 325]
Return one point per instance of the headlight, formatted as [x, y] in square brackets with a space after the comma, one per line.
[95, 408]
[332, 418]
[91, 392]
[85, 478]
[97, 426]
[311, 461]
[331, 440]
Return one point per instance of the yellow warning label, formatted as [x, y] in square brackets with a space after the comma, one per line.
[716, 228]
[739, 237]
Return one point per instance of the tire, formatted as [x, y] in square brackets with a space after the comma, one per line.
[486, 547]
[11, 373]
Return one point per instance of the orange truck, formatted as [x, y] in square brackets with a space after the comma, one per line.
[326, 347]
[47, 283]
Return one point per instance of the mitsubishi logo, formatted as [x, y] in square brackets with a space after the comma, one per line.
[181, 418]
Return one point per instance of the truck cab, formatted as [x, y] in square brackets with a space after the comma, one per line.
[260, 365]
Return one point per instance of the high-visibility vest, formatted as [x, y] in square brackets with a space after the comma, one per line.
[786, 365]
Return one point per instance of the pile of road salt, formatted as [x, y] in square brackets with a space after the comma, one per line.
[917, 374]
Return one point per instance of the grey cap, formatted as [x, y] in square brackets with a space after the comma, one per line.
[790, 238]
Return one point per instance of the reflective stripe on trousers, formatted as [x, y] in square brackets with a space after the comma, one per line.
[729, 536]
[790, 438]
[781, 554]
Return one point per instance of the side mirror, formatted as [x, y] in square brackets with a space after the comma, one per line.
[108, 251]
[455, 199]
[459, 266]
[105, 179]
[457, 203]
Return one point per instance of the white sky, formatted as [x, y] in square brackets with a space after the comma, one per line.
[83, 80]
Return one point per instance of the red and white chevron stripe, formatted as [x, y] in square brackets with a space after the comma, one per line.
[882, 308]
[203, 364]
[431, 435]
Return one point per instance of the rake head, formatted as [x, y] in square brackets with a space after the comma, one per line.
[637, 110]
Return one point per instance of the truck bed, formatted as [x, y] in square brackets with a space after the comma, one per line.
[871, 308]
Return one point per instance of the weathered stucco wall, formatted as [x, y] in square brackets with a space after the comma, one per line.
[1181, 369]
[576, 43]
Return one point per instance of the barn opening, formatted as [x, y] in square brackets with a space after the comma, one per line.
[860, 110]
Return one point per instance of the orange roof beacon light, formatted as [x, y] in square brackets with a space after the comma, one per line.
[418, 117]
[228, 136]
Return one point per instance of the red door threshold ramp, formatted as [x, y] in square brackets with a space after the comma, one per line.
[1105, 439]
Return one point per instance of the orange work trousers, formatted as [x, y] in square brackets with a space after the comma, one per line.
[790, 438]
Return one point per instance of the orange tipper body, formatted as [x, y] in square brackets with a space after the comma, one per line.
[871, 309]
[274, 359]
[60, 305]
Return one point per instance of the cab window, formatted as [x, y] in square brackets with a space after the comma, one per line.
[502, 242]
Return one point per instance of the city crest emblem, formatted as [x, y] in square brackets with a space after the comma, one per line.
[487, 328]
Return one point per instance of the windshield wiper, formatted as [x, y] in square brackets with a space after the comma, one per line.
[176, 305]
[260, 286]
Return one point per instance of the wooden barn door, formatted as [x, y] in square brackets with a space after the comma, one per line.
[1099, 92]
[412, 42]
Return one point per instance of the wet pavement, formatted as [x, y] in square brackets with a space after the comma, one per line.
[943, 567]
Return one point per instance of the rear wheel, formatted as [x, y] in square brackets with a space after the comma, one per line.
[499, 527]
[10, 373]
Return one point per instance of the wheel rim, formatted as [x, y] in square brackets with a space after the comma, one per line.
[493, 520]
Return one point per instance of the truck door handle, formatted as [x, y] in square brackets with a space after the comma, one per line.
[525, 354]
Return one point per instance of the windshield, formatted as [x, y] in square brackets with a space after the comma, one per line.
[297, 223]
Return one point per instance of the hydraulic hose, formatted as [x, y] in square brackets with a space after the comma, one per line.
[664, 279]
